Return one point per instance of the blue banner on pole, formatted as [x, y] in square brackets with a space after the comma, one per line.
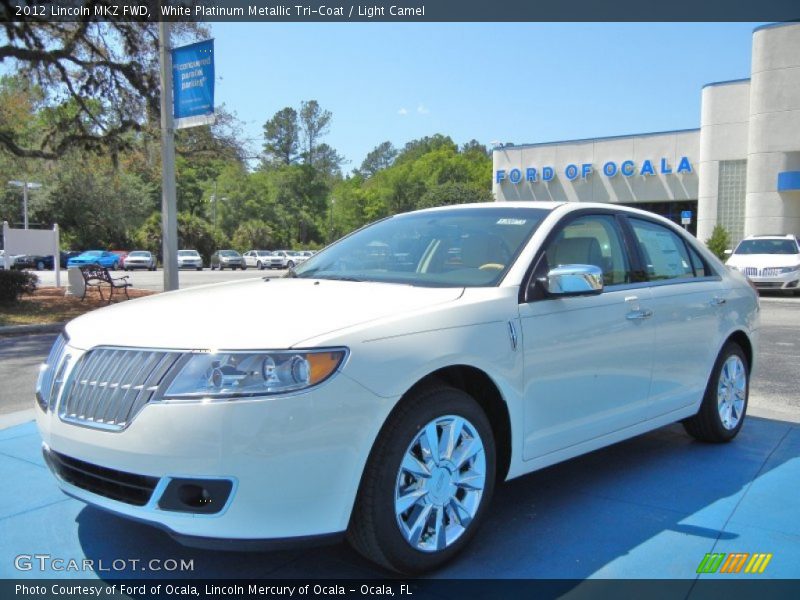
[193, 84]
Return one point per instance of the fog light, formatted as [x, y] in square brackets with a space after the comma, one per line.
[206, 496]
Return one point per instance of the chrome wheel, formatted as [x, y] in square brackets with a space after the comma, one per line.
[440, 483]
[731, 392]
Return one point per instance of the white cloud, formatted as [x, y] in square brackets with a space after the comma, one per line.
[402, 111]
[422, 109]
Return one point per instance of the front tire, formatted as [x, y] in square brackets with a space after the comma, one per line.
[724, 405]
[427, 482]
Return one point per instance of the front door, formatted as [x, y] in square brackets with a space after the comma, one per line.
[588, 359]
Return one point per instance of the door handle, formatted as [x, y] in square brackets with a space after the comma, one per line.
[717, 301]
[636, 315]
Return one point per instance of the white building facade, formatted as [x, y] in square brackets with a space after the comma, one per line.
[740, 169]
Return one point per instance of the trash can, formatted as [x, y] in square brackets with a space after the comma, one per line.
[76, 284]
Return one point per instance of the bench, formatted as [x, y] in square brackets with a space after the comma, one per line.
[98, 277]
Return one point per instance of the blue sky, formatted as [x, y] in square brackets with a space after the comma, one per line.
[516, 82]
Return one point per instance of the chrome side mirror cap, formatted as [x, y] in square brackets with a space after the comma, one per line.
[574, 280]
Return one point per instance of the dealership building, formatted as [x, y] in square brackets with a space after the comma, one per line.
[740, 169]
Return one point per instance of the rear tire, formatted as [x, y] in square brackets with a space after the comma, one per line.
[420, 503]
[724, 406]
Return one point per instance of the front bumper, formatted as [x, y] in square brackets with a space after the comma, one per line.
[189, 264]
[786, 281]
[294, 462]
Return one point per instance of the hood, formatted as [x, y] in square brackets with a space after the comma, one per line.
[763, 260]
[272, 314]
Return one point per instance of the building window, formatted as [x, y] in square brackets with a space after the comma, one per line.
[730, 202]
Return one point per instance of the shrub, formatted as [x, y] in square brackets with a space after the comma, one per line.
[719, 241]
[15, 283]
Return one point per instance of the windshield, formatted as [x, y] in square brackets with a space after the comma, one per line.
[187, 253]
[228, 253]
[767, 247]
[472, 247]
[139, 253]
[93, 253]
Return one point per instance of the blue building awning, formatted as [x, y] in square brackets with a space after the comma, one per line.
[789, 181]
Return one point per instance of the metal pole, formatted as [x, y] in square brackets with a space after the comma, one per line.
[25, 203]
[169, 220]
[57, 255]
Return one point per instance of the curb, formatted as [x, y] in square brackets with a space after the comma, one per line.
[32, 329]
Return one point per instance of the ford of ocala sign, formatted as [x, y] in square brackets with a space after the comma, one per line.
[627, 168]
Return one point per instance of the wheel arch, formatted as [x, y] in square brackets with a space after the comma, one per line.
[478, 384]
[744, 342]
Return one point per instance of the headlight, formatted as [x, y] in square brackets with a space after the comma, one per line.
[247, 374]
[782, 270]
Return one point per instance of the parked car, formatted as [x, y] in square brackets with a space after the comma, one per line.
[15, 260]
[44, 263]
[190, 259]
[95, 257]
[227, 259]
[387, 401]
[299, 257]
[140, 259]
[260, 259]
[122, 255]
[771, 262]
[282, 259]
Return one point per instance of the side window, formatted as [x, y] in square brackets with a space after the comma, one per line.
[592, 240]
[664, 252]
[698, 263]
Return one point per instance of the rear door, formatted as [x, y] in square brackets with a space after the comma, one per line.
[688, 302]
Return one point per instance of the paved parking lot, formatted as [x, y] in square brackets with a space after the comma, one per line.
[650, 507]
[154, 280]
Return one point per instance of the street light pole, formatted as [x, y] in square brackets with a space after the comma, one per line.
[169, 221]
[25, 185]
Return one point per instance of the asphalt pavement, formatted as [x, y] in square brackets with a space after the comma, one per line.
[154, 280]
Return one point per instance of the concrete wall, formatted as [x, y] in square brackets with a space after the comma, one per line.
[774, 130]
[597, 187]
[724, 123]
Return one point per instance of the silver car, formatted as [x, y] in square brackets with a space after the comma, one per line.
[140, 259]
[190, 259]
[227, 259]
[260, 259]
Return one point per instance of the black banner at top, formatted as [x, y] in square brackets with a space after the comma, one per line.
[399, 10]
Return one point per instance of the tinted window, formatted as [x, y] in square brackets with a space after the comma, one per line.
[591, 240]
[698, 263]
[664, 252]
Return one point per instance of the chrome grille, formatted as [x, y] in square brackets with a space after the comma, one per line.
[750, 271]
[770, 272]
[109, 386]
[47, 374]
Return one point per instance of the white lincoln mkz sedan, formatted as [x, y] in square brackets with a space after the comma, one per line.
[422, 359]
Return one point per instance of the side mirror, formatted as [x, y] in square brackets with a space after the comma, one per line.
[574, 280]
[728, 252]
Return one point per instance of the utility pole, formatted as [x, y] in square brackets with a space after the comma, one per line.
[169, 219]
